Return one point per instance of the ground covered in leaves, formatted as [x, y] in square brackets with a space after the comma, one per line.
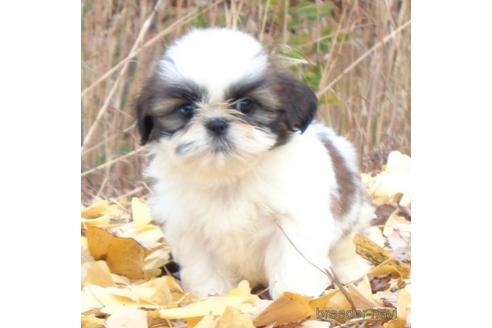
[127, 280]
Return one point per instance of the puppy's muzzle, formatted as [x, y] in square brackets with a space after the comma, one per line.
[217, 127]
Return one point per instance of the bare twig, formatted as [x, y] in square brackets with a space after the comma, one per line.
[138, 41]
[183, 20]
[102, 143]
[329, 63]
[103, 185]
[109, 163]
[261, 292]
[330, 274]
[342, 288]
[147, 187]
[236, 11]
[364, 56]
[263, 22]
[285, 14]
[128, 194]
[303, 256]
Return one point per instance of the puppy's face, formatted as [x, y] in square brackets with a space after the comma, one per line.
[216, 101]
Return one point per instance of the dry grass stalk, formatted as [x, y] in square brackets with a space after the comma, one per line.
[138, 41]
[355, 54]
[113, 161]
[329, 272]
[362, 57]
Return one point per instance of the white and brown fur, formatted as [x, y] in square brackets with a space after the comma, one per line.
[221, 199]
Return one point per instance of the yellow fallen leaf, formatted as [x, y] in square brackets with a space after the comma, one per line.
[173, 285]
[393, 184]
[288, 308]
[364, 287]
[191, 309]
[398, 163]
[91, 321]
[334, 304]
[397, 222]
[362, 294]
[127, 318]
[163, 291]
[403, 303]
[233, 318]
[88, 301]
[315, 324]
[214, 305]
[189, 299]
[382, 259]
[395, 268]
[120, 280]
[152, 273]
[385, 187]
[395, 323]
[156, 259]
[117, 212]
[375, 234]
[400, 283]
[370, 250]
[112, 299]
[140, 212]
[150, 236]
[101, 221]
[366, 178]
[110, 309]
[123, 255]
[208, 321]
[323, 300]
[84, 251]
[242, 289]
[97, 273]
[98, 241]
[155, 321]
[156, 254]
[111, 295]
[96, 209]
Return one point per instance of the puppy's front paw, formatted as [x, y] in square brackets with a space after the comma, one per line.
[204, 288]
[347, 264]
[310, 284]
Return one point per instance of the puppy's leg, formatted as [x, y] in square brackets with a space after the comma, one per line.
[203, 280]
[288, 270]
[201, 275]
[347, 264]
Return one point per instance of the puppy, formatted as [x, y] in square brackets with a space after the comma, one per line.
[246, 185]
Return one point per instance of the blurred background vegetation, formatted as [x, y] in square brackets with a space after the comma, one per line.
[354, 54]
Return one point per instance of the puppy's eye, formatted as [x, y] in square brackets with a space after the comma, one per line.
[187, 110]
[245, 106]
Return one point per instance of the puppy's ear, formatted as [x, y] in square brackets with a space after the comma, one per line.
[145, 121]
[298, 101]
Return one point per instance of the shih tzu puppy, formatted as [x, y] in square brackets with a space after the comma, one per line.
[246, 184]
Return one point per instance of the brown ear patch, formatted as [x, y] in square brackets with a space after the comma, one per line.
[295, 103]
[341, 203]
[298, 101]
[145, 121]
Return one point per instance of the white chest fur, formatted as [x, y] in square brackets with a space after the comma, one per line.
[221, 230]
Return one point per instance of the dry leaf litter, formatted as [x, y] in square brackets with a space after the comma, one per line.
[125, 282]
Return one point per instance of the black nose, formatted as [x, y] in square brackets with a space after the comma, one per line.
[217, 126]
